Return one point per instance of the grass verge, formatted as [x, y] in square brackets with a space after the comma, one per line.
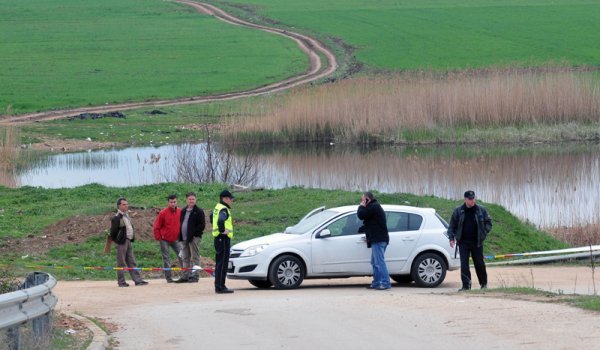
[587, 302]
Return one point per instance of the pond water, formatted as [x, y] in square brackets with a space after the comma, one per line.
[547, 185]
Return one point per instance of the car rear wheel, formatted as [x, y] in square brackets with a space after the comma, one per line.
[402, 278]
[286, 272]
[261, 284]
[429, 270]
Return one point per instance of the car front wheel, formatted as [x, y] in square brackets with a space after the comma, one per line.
[286, 272]
[261, 284]
[429, 270]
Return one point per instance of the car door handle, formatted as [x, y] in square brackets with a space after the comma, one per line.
[408, 239]
[362, 240]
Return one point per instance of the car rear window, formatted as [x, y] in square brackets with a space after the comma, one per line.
[399, 221]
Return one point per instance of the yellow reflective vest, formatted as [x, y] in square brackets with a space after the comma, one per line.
[228, 222]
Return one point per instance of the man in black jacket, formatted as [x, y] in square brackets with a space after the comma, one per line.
[192, 226]
[121, 232]
[378, 238]
[469, 226]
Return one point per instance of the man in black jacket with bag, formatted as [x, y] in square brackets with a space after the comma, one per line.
[121, 232]
[192, 226]
[378, 238]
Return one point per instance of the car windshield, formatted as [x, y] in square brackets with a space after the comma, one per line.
[311, 222]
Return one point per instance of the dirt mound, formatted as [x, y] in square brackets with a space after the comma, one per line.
[77, 229]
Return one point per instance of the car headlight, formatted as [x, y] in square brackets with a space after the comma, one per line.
[255, 249]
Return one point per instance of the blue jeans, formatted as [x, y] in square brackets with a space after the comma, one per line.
[381, 276]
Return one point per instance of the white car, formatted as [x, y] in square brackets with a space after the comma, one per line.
[326, 244]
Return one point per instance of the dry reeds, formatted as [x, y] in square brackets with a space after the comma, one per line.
[9, 141]
[9, 152]
[579, 236]
[381, 109]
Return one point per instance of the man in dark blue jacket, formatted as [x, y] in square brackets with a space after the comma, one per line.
[378, 238]
[469, 226]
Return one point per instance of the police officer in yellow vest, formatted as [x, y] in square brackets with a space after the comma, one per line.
[223, 233]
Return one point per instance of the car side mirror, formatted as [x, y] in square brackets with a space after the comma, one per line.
[324, 233]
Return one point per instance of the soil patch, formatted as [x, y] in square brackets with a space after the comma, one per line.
[79, 228]
[73, 328]
[71, 145]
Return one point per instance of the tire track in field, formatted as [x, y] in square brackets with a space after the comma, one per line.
[310, 46]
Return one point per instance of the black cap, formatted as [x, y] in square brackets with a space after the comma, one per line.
[469, 194]
[226, 193]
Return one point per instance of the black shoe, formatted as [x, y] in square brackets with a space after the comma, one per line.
[181, 280]
[141, 283]
[124, 285]
[383, 288]
[463, 289]
[170, 281]
[224, 291]
[371, 287]
[484, 286]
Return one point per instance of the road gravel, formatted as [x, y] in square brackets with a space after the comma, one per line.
[342, 314]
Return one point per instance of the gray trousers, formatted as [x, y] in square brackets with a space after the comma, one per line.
[166, 258]
[125, 258]
[190, 254]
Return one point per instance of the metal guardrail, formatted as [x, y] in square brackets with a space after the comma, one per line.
[34, 303]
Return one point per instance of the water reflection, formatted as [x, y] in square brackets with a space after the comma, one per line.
[115, 167]
[549, 186]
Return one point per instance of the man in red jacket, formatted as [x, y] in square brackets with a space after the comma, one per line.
[166, 232]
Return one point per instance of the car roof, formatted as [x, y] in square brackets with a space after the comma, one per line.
[386, 207]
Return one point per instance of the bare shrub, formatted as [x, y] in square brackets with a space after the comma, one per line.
[380, 108]
[213, 162]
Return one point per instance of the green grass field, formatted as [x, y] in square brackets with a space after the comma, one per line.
[450, 34]
[67, 53]
[28, 210]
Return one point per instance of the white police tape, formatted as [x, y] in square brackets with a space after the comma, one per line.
[546, 252]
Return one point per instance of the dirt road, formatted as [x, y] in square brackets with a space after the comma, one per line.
[311, 47]
[341, 314]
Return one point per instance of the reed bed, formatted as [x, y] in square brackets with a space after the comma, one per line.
[9, 153]
[9, 141]
[578, 236]
[389, 109]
